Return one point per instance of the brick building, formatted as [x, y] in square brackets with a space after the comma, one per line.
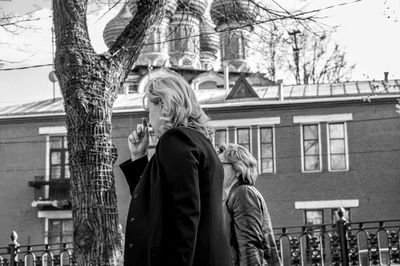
[319, 147]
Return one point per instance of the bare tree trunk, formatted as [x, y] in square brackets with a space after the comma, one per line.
[89, 83]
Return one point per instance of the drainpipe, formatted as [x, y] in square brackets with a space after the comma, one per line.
[226, 76]
[280, 90]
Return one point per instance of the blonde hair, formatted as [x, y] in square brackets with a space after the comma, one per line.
[179, 104]
[242, 161]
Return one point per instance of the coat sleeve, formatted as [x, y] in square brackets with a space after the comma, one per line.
[133, 170]
[246, 213]
[179, 163]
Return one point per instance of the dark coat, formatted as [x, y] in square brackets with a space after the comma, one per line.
[175, 215]
[252, 237]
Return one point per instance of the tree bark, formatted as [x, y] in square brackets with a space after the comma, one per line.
[89, 84]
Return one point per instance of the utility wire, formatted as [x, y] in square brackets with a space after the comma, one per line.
[25, 67]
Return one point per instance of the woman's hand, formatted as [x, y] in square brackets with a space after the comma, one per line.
[138, 141]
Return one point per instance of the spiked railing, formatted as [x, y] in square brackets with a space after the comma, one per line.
[339, 244]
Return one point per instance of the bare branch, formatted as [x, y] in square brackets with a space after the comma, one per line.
[127, 47]
[14, 23]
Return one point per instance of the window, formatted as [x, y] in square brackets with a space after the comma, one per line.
[243, 137]
[206, 85]
[221, 137]
[58, 157]
[311, 148]
[337, 150]
[266, 150]
[60, 231]
[314, 216]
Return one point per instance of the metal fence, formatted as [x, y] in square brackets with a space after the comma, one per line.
[59, 254]
[338, 244]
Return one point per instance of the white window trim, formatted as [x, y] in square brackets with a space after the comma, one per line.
[226, 132]
[47, 168]
[309, 119]
[49, 215]
[60, 130]
[250, 136]
[50, 131]
[302, 149]
[247, 123]
[259, 149]
[264, 121]
[55, 214]
[326, 204]
[345, 146]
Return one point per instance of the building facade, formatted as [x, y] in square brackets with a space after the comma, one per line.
[319, 147]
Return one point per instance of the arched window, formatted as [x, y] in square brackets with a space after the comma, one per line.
[207, 85]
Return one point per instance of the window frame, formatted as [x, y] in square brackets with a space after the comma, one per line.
[226, 134]
[313, 210]
[61, 234]
[346, 153]
[63, 151]
[252, 124]
[303, 170]
[249, 128]
[259, 146]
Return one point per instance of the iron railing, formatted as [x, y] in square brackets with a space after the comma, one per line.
[338, 244]
[59, 254]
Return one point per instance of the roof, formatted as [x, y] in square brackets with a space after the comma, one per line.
[292, 94]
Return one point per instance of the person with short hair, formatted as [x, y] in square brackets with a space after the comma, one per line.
[175, 215]
[247, 215]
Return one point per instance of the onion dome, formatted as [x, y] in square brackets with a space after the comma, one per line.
[116, 26]
[231, 11]
[197, 7]
[209, 39]
[170, 7]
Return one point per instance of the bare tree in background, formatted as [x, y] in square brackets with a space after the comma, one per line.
[298, 46]
[317, 58]
[270, 45]
[89, 84]
[13, 24]
[307, 56]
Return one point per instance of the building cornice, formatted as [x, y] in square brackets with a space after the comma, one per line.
[223, 106]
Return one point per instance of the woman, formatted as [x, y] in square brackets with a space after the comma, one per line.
[175, 216]
[251, 235]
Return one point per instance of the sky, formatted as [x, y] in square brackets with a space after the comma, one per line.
[368, 30]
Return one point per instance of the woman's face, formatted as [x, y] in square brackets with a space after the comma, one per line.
[230, 174]
[155, 112]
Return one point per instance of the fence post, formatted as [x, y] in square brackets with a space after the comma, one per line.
[13, 249]
[341, 227]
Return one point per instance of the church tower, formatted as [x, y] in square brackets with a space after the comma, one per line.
[234, 20]
[184, 34]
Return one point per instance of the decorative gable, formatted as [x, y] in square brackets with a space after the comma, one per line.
[241, 89]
